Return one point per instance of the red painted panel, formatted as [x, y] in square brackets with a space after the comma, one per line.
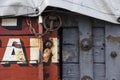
[25, 40]
[51, 70]
[15, 71]
[24, 30]
[18, 72]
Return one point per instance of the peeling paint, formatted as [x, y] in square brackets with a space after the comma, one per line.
[113, 39]
[67, 55]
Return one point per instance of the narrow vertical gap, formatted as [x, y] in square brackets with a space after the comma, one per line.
[60, 33]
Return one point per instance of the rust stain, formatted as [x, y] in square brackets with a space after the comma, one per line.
[67, 55]
[20, 56]
[113, 39]
[46, 54]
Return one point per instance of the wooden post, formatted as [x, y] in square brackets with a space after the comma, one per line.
[85, 52]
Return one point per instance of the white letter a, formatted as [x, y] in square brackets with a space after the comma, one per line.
[14, 52]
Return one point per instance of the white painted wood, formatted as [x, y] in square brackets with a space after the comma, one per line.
[34, 55]
[86, 57]
[112, 44]
[34, 42]
[34, 50]
[55, 50]
[9, 22]
[18, 55]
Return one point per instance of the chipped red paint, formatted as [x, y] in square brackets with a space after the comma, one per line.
[20, 72]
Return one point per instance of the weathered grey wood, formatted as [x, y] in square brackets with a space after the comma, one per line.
[99, 45]
[70, 70]
[70, 67]
[69, 20]
[98, 23]
[70, 78]
[112, 45]
[99, 71]
[69, 53]
[86, 57]
[70, 45]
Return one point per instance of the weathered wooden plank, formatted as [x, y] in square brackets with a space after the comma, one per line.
[70, 36]
[99, 71]
[69, 20]
[70, 78]
[70, 70]
[70, 45]
[98, 23]
[69, 53]
[98, 42]
[112, 51]
[86, 57]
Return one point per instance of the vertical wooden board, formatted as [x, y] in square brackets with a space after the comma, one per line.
[70, 45]
[51, 68]
[70, 78]
[70, 35]
[99, 71]
[86, 57]
[70, 70]
[99, 45]
[112, 33]
[69, 53]
[70, 66]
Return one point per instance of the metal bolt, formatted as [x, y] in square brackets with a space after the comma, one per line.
[48, 44]
[118, 19]
[86, 78]
[113, 54]
[86, 44]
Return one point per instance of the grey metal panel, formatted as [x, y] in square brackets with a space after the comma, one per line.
[70, 45]
[99, 45]
[86, 57]
[112, 46]
[99, 71]
[70, 70]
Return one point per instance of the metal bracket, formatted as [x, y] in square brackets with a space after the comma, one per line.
[52, 22]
